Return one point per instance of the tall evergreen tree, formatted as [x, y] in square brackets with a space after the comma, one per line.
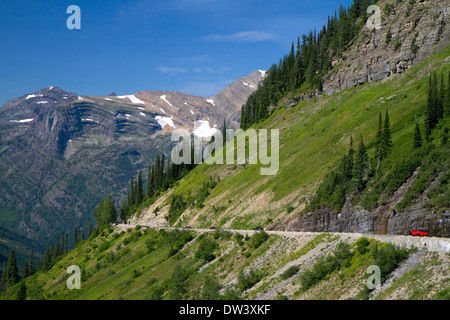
[12, 272]
[106, 212]
[47, 260]
[26, 270]
[161, 171]
[417, 137]
[360, 165]
[150, 183]
[22, 292]
[351, 151]
[386, 138]
[432, 108]
[132, 198]
[32, 263]
[157, 172]
[379, 141]
[139, 189]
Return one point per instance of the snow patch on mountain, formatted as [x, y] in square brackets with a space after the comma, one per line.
[21, 121]
[132, 98]
[30, 96]
[162, 121]
[247, 84]
[163, 97]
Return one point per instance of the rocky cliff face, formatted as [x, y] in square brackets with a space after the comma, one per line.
[383, 219]
[417, 29]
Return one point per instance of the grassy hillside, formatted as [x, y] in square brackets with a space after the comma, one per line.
[313, 137]
[166, 265]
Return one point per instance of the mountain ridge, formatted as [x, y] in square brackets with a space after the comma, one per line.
[61, 152]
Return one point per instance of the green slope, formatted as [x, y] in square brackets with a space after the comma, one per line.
[165, 265]
[313, 137]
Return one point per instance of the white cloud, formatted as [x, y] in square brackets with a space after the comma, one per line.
[174, 70]
[245, 36]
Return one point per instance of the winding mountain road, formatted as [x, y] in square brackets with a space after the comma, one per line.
[441, 245]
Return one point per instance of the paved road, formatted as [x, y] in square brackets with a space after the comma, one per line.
[441, 245]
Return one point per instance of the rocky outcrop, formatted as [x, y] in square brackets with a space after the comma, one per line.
[373, 222]
[417, 31]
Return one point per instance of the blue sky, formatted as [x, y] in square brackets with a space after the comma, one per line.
[193, 46]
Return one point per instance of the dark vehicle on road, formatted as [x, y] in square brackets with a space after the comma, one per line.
[258, 228]
[419, 232]
[188, 227]
[212, 228]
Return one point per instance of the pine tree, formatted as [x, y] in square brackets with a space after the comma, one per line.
[417, 137]
[161, 171]
[347, 162]
[12, 272]
[432, 108]
[157, 172]
[167, 174]
[22, 292]
[47, 260]
[32, 264]
[150, 176]
[379, 141]
[26, 270]
[360, 165]
[386, 138]
[351, 151]
[106, 212]
[139, 189]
